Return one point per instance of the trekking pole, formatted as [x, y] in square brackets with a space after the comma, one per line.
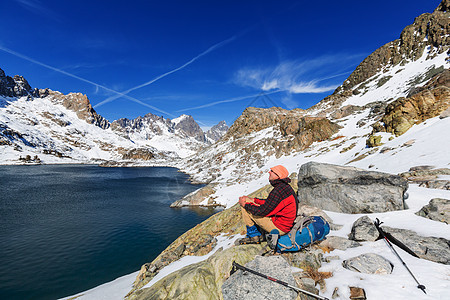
[383, 235]
[238, 266]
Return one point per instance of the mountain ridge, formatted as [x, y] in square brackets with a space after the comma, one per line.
[150, 131]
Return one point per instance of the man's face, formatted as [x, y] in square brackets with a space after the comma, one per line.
[272, 175]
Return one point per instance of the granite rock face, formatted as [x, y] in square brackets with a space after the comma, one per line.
[349, 190]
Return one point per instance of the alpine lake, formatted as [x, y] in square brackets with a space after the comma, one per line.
[67, 228]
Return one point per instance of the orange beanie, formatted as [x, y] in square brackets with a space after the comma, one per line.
[280, 171]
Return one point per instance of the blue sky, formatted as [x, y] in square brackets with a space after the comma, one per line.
[208, 59]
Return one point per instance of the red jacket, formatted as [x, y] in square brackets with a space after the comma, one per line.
[280, 205]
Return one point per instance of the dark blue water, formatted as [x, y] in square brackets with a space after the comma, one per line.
[66, 229]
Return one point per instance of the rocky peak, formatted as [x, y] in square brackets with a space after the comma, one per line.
[78, 103]
[217, 131]
[16, 86]
[149, 122]
[427, 30]
[186, 124]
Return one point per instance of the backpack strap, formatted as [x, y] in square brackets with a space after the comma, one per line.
[299, 223]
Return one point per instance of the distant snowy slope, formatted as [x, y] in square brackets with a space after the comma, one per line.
[54, 133]
[44, 126]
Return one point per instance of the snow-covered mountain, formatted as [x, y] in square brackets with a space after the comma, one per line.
[47, 126]
[216, 132]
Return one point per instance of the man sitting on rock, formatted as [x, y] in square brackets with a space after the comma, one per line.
[278, 211]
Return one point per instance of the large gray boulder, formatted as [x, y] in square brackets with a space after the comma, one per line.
[437, 209]
[363, 229]
[430, 248]
[369, 263]
[349, 189]
[247, 286]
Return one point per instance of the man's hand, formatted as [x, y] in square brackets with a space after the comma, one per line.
[245, 199]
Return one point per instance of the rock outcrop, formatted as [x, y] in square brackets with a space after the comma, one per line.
[197, 241]
[150, 122]
[138, 154]
[403, 113]
[350, 190]
[428, 176]
[16, 86]
[302, 131]
[78, 103]
[437, 209]
[430, 248]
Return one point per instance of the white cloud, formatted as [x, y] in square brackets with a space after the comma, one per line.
[311, 88]
[296, 76]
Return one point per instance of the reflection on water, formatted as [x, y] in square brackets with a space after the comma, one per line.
[67, 228]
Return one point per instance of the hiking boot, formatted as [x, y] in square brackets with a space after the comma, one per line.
[250, 240]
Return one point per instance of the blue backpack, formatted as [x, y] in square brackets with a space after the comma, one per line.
[306, 230]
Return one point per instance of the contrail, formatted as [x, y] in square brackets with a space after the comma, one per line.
[227, 100]
[333, 76]
[218, 45]
[82, 79]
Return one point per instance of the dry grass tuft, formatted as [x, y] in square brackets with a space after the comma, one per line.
[316, 275]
